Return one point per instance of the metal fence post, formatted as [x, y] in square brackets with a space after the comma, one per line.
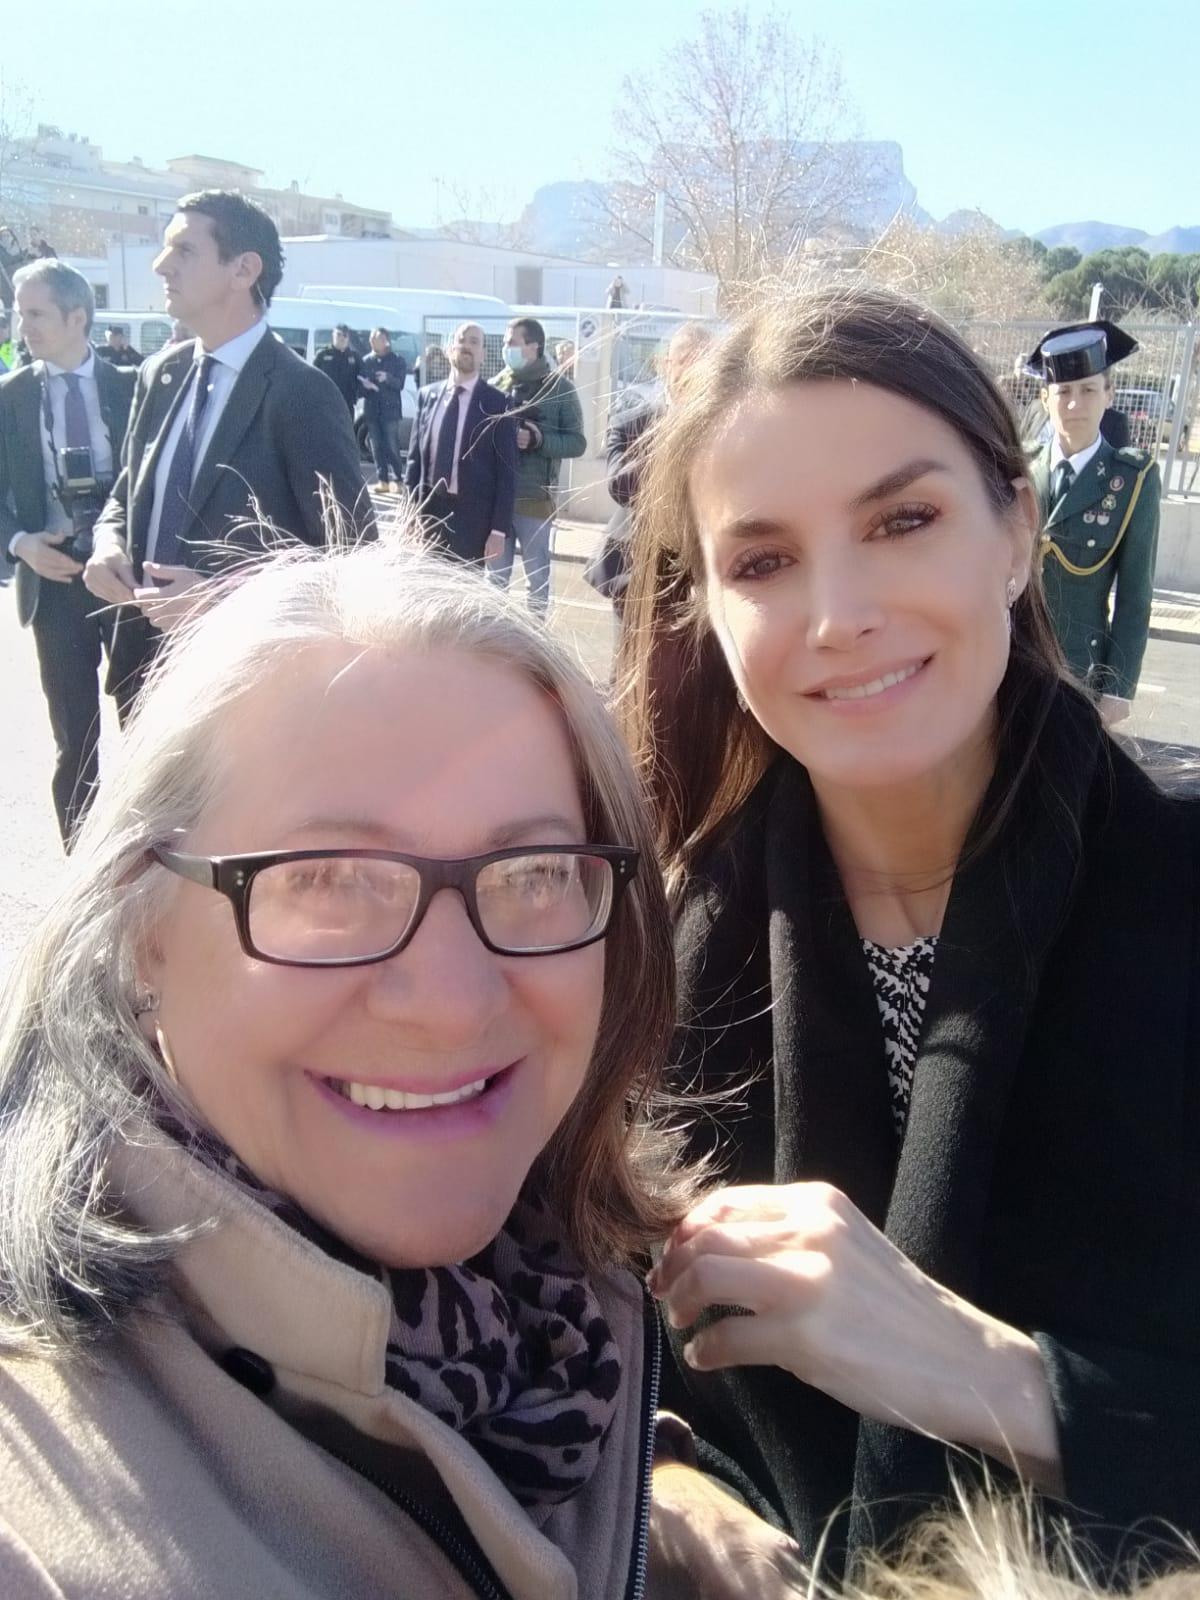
[1183, 386]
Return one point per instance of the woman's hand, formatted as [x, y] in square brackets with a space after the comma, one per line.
[832, 1301]
[705, 1545]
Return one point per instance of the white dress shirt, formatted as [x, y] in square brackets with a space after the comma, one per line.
[57, 520]
[229, 359]
[1079, 460]
[467, 386]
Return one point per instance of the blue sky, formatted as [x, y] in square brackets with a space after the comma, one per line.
[1036, 111]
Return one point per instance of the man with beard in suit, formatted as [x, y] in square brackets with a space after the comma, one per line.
[62, 428]
[230, 432]
[462, 455]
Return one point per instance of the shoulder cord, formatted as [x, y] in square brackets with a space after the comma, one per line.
[1050, 548]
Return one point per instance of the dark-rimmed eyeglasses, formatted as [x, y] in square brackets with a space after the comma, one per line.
[349, 908]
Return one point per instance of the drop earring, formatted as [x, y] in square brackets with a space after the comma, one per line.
[741, 702]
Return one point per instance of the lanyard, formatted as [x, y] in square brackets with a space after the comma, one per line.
[48, 419]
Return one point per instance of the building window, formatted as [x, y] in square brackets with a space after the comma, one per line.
[143, 211]
[529, 286]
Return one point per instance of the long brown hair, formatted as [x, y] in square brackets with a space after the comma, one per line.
[699, 753]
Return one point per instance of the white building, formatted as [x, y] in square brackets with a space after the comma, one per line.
[519, 277]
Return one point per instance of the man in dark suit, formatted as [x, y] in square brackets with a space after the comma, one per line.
[62, 429]
[462, 456]
[229, 432]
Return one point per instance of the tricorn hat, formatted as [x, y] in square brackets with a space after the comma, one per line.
[1080, 350]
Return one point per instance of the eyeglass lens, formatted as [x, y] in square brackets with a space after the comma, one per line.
[337, 908]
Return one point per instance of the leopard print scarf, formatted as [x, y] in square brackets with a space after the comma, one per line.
[509, 1348]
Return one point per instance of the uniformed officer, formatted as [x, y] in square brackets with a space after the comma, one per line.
[1099, 516]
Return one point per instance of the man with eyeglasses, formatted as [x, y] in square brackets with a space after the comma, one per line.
[62, 428]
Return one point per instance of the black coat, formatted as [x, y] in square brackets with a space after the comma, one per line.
[23, 493]
[387, 372]
[283, 438]
[342, 368]
[1049, 1170]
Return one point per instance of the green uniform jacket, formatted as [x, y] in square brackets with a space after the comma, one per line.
[548, 400]
[1093, 530]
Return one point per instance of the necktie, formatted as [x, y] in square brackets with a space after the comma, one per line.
[443, 462]
[79, 435]
[176, 506]
[1065, 478]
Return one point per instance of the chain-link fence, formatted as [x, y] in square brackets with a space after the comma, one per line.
[617, 361]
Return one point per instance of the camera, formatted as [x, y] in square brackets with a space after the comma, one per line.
[83, 494]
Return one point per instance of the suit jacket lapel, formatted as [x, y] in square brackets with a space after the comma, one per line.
[161, 404]
[1090, 486]
[240, 410]
[29, 426]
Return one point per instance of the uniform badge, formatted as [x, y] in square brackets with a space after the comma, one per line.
[1109, 503]
[1118, 483]
[1103, 519]
[1101, 469]
[166, 378]
[1089, 516]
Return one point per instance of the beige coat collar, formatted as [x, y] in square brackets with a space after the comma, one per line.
[248, 1280]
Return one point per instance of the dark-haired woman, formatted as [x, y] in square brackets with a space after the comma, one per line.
[946, 931]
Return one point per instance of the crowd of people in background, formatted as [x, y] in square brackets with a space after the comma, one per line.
[461, 1138]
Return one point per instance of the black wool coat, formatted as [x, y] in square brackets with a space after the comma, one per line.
[1050, 1169]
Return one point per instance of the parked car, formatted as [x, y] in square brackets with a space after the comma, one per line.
[1150, 416]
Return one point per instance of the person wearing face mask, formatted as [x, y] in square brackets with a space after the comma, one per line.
[549, 420]
[939, 952]
[1100, 510]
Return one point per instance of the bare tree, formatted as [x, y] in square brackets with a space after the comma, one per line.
[745, 131]
[974, 272]
[476, 218]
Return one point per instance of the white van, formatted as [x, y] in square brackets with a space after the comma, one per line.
[411, 307]
[147, 331]
[306, 326]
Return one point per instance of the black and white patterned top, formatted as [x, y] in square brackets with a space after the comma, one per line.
[901, 979]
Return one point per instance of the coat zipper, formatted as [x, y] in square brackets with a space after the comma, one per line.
[465, 1554]
[461, 1551]
[650, 1384]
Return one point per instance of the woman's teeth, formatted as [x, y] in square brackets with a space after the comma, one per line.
[377, 1099]
[863, 691]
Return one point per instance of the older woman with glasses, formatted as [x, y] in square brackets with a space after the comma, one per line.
[326, 1141]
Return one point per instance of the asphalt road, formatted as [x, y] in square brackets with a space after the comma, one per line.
[1167, 709]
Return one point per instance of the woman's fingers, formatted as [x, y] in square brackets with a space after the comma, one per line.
[735, 1204]
[756, 1341]
[755, 1238]
[788, 1282]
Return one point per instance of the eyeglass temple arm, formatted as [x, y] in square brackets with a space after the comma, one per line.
[198, 868]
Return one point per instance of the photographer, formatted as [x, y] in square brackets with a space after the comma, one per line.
[62, 428]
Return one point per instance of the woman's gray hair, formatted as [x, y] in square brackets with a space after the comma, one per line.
[76, 1072]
